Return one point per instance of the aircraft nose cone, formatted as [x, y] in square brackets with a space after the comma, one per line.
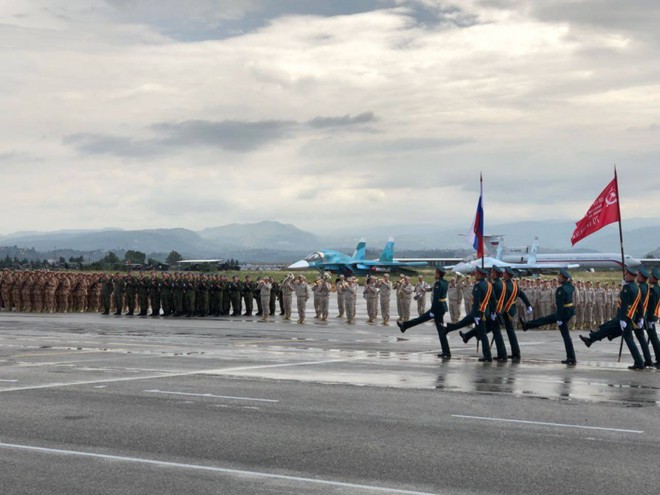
[299, 264]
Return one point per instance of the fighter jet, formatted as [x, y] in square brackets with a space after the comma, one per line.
[328, 260]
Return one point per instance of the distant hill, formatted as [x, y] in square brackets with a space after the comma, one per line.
[262, 235]
[273, 241]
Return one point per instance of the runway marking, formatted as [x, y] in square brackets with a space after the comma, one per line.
[209, 395]
[9, 381]
[217, 371]
[213, 469]
[48, 354]
[546, 424]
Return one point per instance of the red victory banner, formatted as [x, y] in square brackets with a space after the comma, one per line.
[603, 211]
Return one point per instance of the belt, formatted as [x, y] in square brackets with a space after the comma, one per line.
[442, 300]
[569, 305]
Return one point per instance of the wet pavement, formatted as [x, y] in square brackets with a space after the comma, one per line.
[116, 404]
[35, 349]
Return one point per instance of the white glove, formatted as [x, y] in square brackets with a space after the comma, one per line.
[477, 320]
[529, 310]
[559, 323]
[640, 323]
[493, 316]
[431, 314]
[622, 324]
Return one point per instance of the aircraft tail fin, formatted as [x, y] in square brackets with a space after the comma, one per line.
[532, 253]
[360, 250]
[388, 251]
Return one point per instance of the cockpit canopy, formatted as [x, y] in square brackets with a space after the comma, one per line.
[314, 257]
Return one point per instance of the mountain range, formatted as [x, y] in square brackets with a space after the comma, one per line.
[271, 241]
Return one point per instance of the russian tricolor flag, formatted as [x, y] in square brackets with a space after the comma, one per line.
[476, 235]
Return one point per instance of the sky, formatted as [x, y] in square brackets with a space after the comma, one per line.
[160, 113]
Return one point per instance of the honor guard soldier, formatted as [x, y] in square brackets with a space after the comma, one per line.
[509, 311]
[494, 314]
[624, 322]
[652, 313]
[642, 277]
[437, 312]
[565, 311]
[481, 294]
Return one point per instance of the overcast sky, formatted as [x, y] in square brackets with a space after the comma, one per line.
[164, 113]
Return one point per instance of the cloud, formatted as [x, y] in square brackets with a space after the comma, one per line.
[230, 135]
[346, 120]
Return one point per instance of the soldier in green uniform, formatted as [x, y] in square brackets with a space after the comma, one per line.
[166, 294]
[274, 295]
[154, 295]
[481, 294]
[130, 285]
[565, 311]
[235, 288]
[203, 289]
[624, 321]
[248, 295]
[143, 294]
[189, 296]
[226, 296]
[107, 287]
[118, 293]
[177, 295]
[436, 313]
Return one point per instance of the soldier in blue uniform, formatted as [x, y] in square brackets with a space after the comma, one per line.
[640, 318]
[494, 314]
[623, 322]
[652, 313]
[565, 311]
[437, 312]
[509, 310]
[481, 294]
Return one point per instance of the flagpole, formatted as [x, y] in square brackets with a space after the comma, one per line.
[483, 247]
[623, 257]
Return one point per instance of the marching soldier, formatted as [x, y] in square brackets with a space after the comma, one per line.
[481, 294]
[629, 300]
[494, 314]
[565, 311]
[645, 295]
[514, 292]
[437, 313]
[652, 313]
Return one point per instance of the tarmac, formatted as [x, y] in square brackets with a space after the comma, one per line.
[117, 404]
